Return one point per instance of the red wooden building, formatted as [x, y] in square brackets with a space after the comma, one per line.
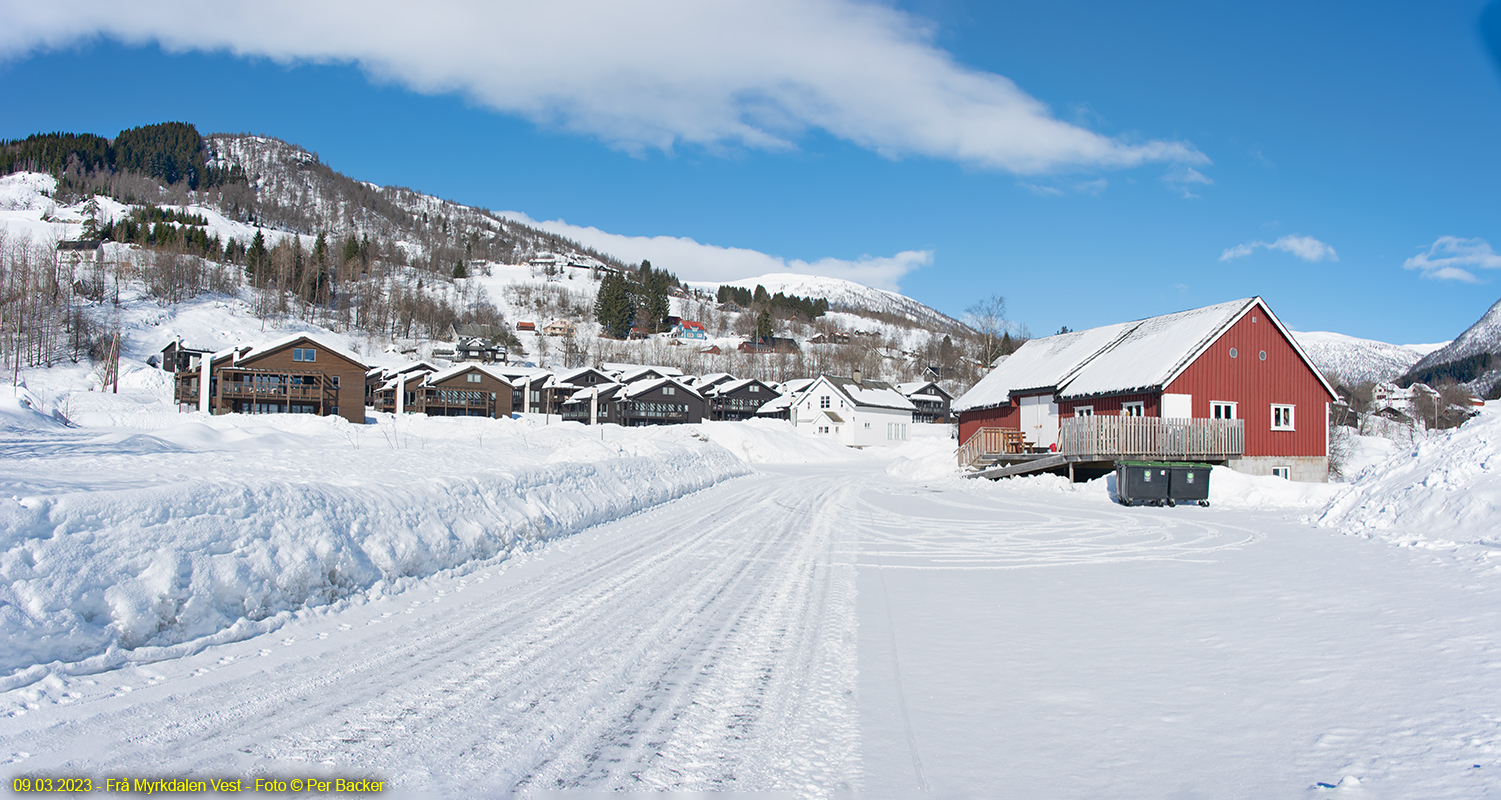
[1225, 383]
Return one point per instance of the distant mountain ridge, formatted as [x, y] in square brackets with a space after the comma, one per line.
[849, 297]
[1351, 361]
[1473, 358]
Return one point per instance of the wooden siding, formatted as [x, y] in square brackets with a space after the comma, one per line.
[487, 384]
[1111, 406]
[1254, 385]
[996, 417]
[351, 374]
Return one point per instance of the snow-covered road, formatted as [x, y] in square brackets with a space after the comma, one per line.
[824, 629]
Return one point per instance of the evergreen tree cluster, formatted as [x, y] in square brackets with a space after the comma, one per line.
[638, 299]
[171, 152]
[783, 305]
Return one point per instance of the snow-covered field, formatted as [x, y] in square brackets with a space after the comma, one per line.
[472, 607]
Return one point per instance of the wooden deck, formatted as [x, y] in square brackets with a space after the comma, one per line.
[1098, 442]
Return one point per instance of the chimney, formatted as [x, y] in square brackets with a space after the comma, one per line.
[856, 376]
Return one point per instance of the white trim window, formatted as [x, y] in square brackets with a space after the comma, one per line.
[1282, 417]
[473, 377]
[1083, 411]
[1286, 473]
[1136, 409]
[1222, 409]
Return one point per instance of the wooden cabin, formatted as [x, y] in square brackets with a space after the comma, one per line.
[294, 375]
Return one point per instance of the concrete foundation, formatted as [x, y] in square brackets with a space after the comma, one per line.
[1309, 469]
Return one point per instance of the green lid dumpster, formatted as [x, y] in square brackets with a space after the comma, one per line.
[1188, 483]
[1139, 483]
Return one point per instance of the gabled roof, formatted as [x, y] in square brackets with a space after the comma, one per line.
[642, 387]
[731, 387]
[606, 391]
[867, 394]
[776, 404]
[913, 387]
[256, 351]
[460, 369]
[668, 371]
[573, 374]
[1129, 357]
[1040, 364]
[1155, 349]
[797, 385]
[713, 378]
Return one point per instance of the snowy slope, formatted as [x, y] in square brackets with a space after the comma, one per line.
[1480, 339]
[1443, 493]
[1352, 360]
[847, 296]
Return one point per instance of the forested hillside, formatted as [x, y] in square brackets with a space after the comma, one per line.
[268, 224]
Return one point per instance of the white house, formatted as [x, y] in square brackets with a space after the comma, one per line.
[853, 412]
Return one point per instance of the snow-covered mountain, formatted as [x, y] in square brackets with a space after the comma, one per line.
[1473, 358]
[1352, 361]
[850, 297]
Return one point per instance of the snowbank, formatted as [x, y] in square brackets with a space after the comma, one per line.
[1443, 492]
[135, 544]
[20, 410]
[773, 441]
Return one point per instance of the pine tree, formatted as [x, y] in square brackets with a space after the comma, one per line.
[255, 259]
[459, 271]
[763, 325]
[613, 307]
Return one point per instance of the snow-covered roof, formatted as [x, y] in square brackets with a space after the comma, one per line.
[913, 387]
[871, 394]
[797, 385]
[733, 386]
[777, 404]
[623, 368]
[1040, 364]
[1128, 357]
[642, 387]
[713, 378]
[1155, 350]
[570, 375]
[277, 344]
[460, 369]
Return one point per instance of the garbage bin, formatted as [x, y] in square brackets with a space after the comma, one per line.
[1140, 483]
[1188, 483]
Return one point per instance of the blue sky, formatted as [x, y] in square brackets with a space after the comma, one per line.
[1090, 161]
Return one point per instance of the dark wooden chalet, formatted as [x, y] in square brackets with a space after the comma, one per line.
[737, 400]
[932, 401]
[294, 375]
[178, 357]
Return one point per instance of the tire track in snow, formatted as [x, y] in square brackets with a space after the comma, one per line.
[706, 643]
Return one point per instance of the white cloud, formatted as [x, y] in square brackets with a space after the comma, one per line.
[1304, 247]
[695, 261]
[1448, 256]
[1182, 176]
[638, 75]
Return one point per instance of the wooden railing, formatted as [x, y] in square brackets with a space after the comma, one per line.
[1151, 437]
[988, 442]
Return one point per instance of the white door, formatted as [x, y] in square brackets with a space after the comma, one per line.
[1039, 420]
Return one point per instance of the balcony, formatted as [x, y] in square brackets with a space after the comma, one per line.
[1106, 439]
